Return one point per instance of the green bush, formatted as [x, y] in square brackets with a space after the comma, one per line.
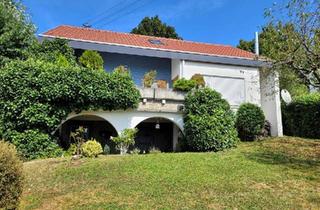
[91, 60]
[11, 176]
[209, 121]
[184, 85]
[32, 144]
[72, 150]
[38, 95]
[250, 121]
[302, 116]
[198, 78]
[125, 139]
[91, 148]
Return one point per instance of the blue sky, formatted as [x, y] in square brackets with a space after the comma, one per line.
[212, 21]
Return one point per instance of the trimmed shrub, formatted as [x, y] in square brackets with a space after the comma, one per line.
[91, 148]
[209, 121]
[302, 116]
[198, 78]
[91, 60]
[32, 144]
[184, 85]
[205, 101]
[250, 121]
[11, 176]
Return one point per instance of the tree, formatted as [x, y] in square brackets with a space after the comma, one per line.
[153, 26]
[91, 60]
[273, 45]
[16, 31]
[296, 44]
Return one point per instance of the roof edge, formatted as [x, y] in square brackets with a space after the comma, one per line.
[149, 48]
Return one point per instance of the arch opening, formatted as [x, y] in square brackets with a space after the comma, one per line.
[158, 132]
[95, 127]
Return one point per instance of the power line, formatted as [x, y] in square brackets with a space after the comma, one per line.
[120, 15]
[101, 15]
[116, 13]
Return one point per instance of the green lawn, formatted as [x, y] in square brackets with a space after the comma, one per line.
[280, 173]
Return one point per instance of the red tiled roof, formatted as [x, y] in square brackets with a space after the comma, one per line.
[109, 37]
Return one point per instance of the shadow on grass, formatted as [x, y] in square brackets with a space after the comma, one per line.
[282, 158]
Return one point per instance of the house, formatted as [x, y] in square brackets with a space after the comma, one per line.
[233, 72]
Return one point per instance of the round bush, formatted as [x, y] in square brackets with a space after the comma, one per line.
[11, 178]
[91, 148]
[33, 144]
[209, 121]
[205, 101]
[249, 121]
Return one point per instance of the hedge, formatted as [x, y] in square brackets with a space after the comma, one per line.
[38, 95]
[302, 116]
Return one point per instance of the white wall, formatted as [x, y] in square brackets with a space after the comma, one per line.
[270, 101]
[175, 68]
[249, 74]
[130, 119]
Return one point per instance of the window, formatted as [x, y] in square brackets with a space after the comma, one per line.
[155, 41]
[231, 89]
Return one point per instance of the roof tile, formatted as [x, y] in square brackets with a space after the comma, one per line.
[109, 37]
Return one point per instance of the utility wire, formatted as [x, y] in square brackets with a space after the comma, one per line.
[100, 15]
[115, 13]
[122, 15]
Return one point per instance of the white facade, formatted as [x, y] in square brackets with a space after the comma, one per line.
[239, 84]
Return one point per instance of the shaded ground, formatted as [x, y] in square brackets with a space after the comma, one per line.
[279, 173]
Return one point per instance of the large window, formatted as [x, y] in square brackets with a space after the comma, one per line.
[232, 89]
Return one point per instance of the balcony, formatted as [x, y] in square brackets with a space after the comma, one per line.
[161, 100]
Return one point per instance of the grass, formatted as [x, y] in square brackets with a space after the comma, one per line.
[278, 173]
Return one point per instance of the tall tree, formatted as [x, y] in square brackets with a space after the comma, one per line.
[153, 26]
[296, 41]
[16, 31]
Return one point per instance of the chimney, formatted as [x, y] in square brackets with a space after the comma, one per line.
[257, 44]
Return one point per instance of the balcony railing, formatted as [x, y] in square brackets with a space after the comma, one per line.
[162, 94]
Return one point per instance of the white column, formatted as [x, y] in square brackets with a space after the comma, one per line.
[270, 101]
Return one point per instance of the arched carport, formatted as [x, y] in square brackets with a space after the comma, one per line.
[95, 127]
[158, 132]
[121, 120]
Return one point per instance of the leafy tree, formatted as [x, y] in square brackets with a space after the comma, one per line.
[293, 42]
[16, 31]
[91, 60]
[271, 42]
[153, 26]
[55, 51]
